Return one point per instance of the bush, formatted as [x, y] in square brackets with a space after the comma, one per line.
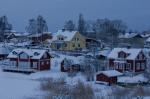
[58, 89]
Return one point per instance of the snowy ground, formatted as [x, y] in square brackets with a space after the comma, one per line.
[20, 86]
[17, 86]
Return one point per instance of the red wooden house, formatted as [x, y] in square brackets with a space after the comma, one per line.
[127, 59]
[29, 59]
[109, 77]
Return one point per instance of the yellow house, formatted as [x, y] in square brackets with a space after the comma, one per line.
[68, 41]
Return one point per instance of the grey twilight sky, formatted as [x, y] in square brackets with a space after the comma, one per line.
[136, 13]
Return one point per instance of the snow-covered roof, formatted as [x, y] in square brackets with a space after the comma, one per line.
[145, 34]
[4, 49]
[128, 35]
[68, 35]
[33, 53]
[110, 73]
[134, 79]
[104, 52]
[132, 52]
[39, 34]
[148, 40]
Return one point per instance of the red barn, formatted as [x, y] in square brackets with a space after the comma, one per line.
[127, 59]
[29, 59]
[109, 76]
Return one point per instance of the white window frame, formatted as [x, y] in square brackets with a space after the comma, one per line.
[142, 65]
[140, 56]
[128, 66]
[47, 62]
[138, 67]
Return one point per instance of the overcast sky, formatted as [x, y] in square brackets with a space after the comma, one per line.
[136, 13]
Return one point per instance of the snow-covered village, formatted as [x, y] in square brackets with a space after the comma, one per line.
[66, 50]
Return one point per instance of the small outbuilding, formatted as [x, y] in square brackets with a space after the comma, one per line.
[109, 76]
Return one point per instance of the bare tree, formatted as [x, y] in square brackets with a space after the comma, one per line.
[5, 26]
[69, 25]
[38, 25]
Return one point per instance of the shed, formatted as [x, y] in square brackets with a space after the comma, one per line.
[109, 76]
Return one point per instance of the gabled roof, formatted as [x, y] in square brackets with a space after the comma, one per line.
[132, 52]
[110, 73]
[33, 53]
[104, 52]
[68, 35]
[129, 35]
[39, 34]
[148, 40]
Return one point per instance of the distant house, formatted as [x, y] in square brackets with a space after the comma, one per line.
[103, 54]
[109, 77]
[17, 36]
[38, 38]
[28, 59]
[130, 35]
[147, 43]
[127, 59]
[93, 43]
[4, 51]
[72, 64]
[65, 40]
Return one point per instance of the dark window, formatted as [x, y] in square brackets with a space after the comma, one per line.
[78, 45]
[73, 45]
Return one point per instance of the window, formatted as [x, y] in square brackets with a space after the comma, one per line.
[45, 55]
[36, 53]
[121, 65]
[65, 45]
[78, 45]
[140, 56]
[121, 55]
[13, 63]
[128, 66]
[138, 66]
[142, 65]
[116, 65]
[42, 63]
[73, 45]
[35, 64]
[61, 38]
[47, 62]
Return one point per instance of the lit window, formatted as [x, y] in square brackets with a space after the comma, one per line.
[42, 63]
[47, 62]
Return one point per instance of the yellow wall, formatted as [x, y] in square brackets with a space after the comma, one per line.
[81, 41]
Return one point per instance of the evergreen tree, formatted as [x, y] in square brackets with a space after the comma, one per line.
[81, 25]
